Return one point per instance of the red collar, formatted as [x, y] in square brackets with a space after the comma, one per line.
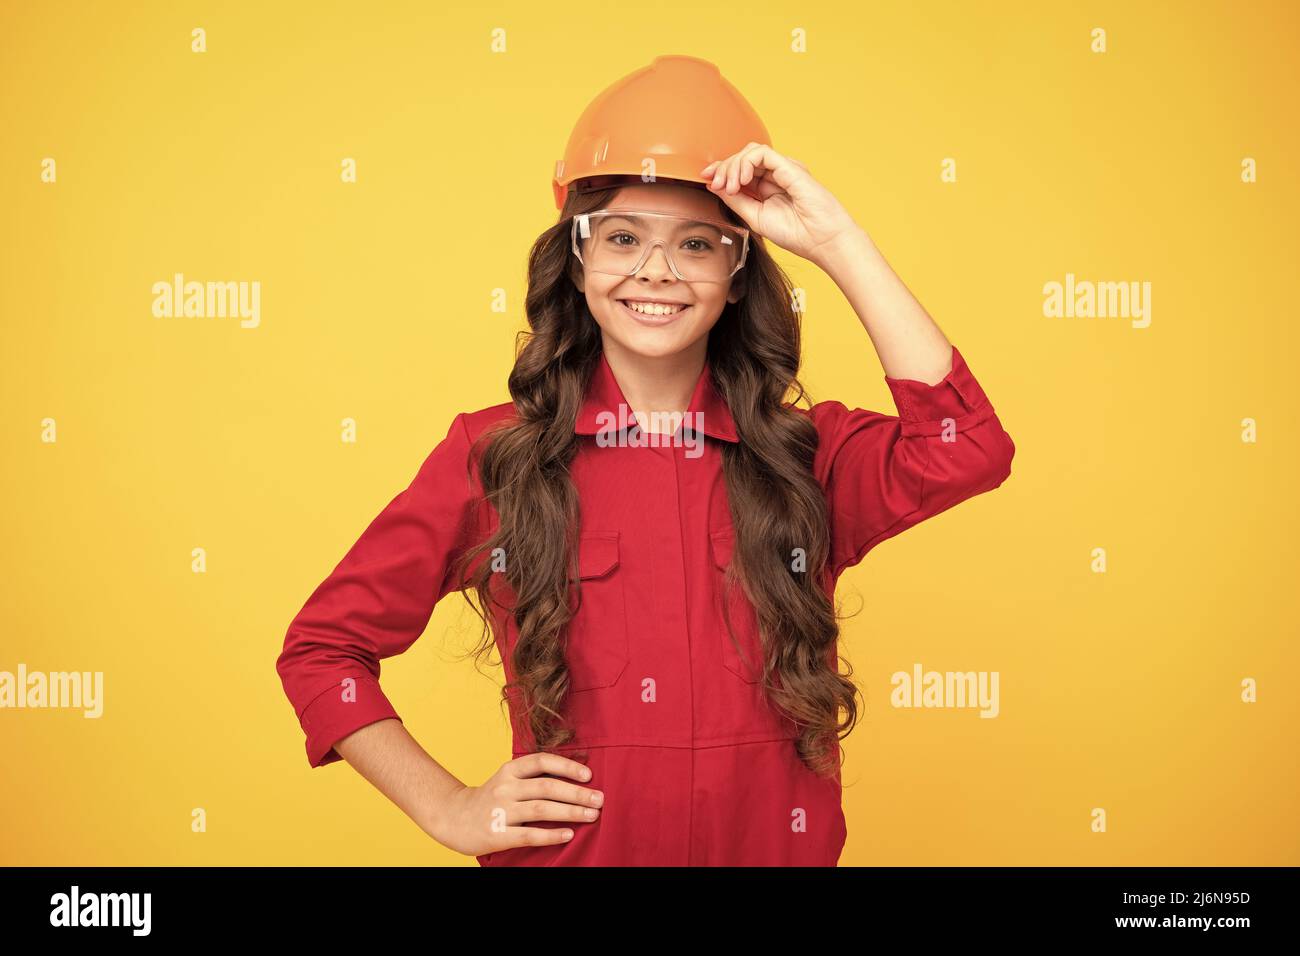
[600, 406]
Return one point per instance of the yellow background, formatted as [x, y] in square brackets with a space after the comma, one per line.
[1118, 690]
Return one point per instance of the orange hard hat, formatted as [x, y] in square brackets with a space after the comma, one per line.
[667, 120]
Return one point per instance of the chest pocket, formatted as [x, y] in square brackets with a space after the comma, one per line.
[741, 649]
[597, 650]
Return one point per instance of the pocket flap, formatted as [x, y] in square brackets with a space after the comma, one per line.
[597, 553]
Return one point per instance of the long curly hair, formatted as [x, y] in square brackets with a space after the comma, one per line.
[776, 503]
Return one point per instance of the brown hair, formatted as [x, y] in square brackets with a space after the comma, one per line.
[776, 503]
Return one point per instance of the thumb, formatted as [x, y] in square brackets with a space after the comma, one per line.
[744, 205]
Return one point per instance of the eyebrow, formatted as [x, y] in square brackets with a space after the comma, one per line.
[639, 219]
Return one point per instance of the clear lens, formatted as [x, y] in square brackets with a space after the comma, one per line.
[620, 242]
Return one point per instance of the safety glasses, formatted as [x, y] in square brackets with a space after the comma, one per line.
[618, 242]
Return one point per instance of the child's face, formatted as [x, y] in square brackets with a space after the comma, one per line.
[658, 336]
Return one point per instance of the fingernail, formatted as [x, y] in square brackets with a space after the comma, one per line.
[590, 814]
[597, 799]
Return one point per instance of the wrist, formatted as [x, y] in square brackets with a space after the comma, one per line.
[436, 814]
[847, 251]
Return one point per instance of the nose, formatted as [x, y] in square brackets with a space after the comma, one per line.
[656, 265]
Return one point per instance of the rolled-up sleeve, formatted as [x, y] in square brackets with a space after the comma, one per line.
[378, 600]
[884, 473]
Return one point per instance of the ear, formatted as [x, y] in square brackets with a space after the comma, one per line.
[737, 290]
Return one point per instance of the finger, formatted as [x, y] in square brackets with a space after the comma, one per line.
[534, 764]
[731, 182]
[761, 184]
[733, 169]
[720, 172]
[744, 205]
[560, 790]
[764, 188]
[534, 836]
[526, 811]
[748, 166]
[746, 171]
[780, 169]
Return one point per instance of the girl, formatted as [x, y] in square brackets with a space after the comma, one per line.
[652, 530]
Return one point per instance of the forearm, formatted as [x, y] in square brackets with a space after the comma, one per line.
[392, 760]
[908, 341]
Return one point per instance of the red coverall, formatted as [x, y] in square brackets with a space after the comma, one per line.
[696, 766]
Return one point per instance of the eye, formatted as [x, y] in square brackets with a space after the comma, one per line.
[619, 235]
[704, 245]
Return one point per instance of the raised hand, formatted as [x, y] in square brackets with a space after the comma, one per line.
[778, 199]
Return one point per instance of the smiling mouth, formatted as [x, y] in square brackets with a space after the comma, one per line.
[653, 311]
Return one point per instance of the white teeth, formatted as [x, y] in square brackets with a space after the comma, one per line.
[653, 309]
